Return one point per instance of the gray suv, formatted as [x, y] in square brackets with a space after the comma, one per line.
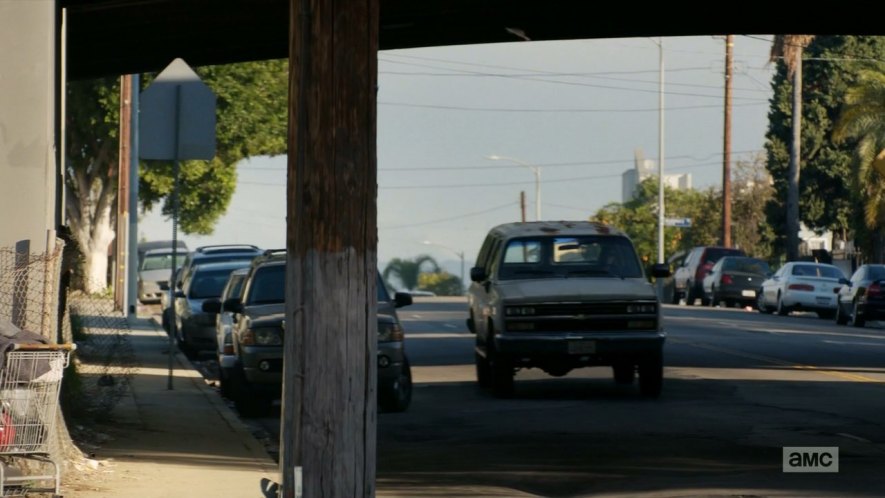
[255, 376]
[564, 295]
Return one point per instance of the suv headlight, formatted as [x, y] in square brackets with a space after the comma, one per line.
[263, 336]
[390, 332]
[519, 311]
[641, 308]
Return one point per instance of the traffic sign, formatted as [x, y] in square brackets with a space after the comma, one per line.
[677, 222]
[177, 116]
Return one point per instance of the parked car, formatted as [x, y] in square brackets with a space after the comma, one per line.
[144, 247]
[862, 297]
[154, 272]
[256, 376]
[564, 295]
[800, 285]
[672, 294]
[224, 347]
[204, 254]
[735, 280]
[195, 329]
[689, 278]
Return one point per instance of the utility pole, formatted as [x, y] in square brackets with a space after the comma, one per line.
[522, 205]
[726, 153]
[121, 244]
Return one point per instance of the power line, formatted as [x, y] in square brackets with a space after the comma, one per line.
[592, 85]
[575, 111]
[603, 162]
[451, 218]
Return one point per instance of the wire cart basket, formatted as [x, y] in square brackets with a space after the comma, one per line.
[30, 380]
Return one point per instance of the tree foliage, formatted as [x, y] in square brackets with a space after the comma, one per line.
[862, 124]
[826, 198]
[251, 121]
[407, 271]
[441, 283]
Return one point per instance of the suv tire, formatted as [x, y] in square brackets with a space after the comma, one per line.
[501, 370]
[651, 376]
[248, 403]
[397, 397]
[483, 376]
[624, 373]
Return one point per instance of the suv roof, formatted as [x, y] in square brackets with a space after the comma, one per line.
[535, 228]
[227, 248]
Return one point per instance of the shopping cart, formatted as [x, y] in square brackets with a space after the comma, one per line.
[30, 379]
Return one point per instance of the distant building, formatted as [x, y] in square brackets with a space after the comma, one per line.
[645, 168]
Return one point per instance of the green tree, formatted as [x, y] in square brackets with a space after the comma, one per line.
[751, 190]
[638, 218]
[441, 283]
[826, 198]
[251, 121]
[862, 124]
[407, 271]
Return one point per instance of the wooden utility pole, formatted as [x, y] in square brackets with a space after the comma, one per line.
[327, 432]
[726, 153]
[121, 241]
[522, 205]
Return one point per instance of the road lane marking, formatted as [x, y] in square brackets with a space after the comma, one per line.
[775, 361]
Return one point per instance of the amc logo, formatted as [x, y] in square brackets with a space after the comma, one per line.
[811, 459]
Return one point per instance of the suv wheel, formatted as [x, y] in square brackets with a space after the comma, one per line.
[397, 396]
[624, 373]
[501, 370]
[651, 376]
[482, 371]
[248, 403]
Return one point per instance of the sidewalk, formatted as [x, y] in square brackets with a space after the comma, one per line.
[183, 442]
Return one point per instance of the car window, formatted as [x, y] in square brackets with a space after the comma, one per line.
[208, 283]
[714, 254]
[160, 262]
[817, 271]
[747, 265]
[578, 256]
[876, 272]
[268, 285]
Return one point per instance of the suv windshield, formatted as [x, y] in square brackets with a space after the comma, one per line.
[268, 285]
[568, 256]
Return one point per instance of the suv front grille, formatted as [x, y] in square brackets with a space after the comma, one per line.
[578, 317]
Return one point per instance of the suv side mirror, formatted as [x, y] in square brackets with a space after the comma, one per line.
[233, 305]
[660, 270]
[211, 306]
[401, 299]
[478, 274]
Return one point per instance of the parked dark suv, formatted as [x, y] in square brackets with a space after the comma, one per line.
[259, 329]
[203, 254]
[688, 279]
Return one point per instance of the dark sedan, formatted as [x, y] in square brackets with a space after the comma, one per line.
[735, 280]
[863, 297]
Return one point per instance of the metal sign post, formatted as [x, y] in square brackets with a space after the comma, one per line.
[176, 122]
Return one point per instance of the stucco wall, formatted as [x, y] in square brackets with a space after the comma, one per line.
[27, 122]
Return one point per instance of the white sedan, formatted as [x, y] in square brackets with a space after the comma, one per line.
[802, 286]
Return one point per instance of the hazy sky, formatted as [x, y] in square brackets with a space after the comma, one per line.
[575, 109]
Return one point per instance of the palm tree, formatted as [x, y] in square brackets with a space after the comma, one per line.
[863, 119]
[790, 48]
[407, 270]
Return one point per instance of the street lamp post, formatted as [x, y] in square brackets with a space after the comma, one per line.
[660, 44]
[460, 254]
[536, 170]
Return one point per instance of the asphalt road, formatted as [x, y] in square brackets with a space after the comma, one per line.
[739, 386]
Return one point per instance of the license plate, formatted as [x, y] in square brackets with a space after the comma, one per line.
[822, 300]
[748, 293]
[582, 347]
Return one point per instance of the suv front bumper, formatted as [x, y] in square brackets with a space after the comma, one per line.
[583, 348]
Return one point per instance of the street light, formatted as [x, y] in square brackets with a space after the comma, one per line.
[536, 170]
[460, 254]
[660, 44]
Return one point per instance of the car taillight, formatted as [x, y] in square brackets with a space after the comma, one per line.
[874, 290]
[702, 270]
[801, 287]
[726, 279]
